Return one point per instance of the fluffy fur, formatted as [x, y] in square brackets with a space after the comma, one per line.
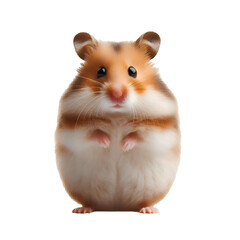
[124, 155]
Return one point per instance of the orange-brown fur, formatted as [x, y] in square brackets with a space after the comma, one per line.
[167, 122]
[105, 55]
[74, 120]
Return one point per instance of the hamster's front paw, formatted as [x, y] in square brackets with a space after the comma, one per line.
[130, 141]
[101, 137]
[128, 144]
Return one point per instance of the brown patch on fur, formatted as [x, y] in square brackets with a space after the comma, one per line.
[73, 120]
[164, 123]
[116, 46]
[139, 87]
[88, 76]
[61, 149]
[160, 85]
[75, 86]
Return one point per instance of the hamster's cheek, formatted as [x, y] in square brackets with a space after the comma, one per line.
[155, 104]
[77, 100]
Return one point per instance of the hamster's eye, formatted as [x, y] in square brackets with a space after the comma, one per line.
[102, 71]
[132, 72]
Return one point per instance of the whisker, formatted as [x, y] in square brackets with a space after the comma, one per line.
[90, 79]
[83, 111]
[92, 106]
[81, 86]
[96, 105]
[79, 91]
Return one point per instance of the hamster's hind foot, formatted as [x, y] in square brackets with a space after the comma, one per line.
[149, 210]
[82, 210]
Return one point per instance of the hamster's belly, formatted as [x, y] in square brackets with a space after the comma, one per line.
[110, 179]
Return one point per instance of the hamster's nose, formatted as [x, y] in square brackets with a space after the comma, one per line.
[117, 94]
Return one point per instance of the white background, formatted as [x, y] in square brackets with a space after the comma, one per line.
[199, 59]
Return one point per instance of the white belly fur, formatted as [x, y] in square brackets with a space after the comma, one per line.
[113, 179]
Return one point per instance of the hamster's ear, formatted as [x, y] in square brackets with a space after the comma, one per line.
[84, 43]
[150, 42]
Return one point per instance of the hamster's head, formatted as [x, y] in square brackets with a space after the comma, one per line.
[117, 78]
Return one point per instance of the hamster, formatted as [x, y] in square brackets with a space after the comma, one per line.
[117, 136]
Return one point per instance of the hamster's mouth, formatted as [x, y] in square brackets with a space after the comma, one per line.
[117, 106]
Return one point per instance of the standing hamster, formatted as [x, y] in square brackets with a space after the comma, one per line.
[118, 137]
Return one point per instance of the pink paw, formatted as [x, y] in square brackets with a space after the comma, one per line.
[130, 141]
[101, 137]
[104, 141]
[149, 210]
[128, 144]
[82, 210]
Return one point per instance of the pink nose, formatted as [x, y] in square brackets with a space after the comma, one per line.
[117, 94]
